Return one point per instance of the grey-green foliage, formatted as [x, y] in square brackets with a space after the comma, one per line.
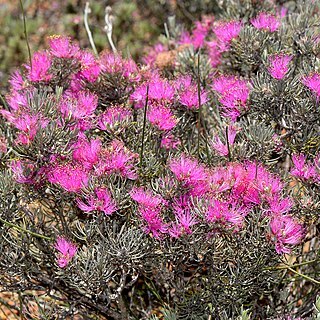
[317, 309]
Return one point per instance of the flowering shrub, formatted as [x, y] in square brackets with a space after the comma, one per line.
[186, 186]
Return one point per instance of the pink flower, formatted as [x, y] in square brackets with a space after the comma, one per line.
[219, 180]
[174, 230]
[280, 206]
[198, 35]
[18, 100]
[117, 159]
[66, 249]
[224, 83]
[22, 171]
[85, 152]
[225, 32]
[80, 105]
[169, 141]
[184, 219]
[61, 47]
[224, 213]
[89, 67]
[28, 124]
[279, 65]
[303, 169]
[233, 95]
[115, 64]
[153, 221]
[16, 81]
[160, 92]
[39, 71]
[191, 173]
[101, 201]
[112, 116]
[266, 21]
[251, 195]
[146, 199]
[214, 53]
[185, 38]
[220, 147]
[150, 211]
[286, 231]
[190, 98]
[299, 162]
[162, 118]
[313, 83]
[69, 176]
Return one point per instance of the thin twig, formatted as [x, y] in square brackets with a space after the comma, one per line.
[87, 10]
[288, 267]
[199, 103]
[9, 224]
[228, 144]
[304, 276]
[26, 33]
[144, 126]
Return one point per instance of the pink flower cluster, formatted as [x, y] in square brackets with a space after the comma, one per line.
[113, 116]
[233, 94]
[70, 176]
[114, 64]
[304, 169]
[198, 35]
[150, 207]
[313, 83]
[89, 157]
[287, 232]
[188, 93]
[67, 251]
[225, 32]
[221, 198]
[279, 65]
[117, 159]
[160, 99]
[100, 201]
[266, 21]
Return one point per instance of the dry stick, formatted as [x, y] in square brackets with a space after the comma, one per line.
[200, 114]
[304, 276]
[144, 126]
[25, 32]
[199, 102]
[228, 144]
[296, 272]
[87, 10]
[9, 224]
[108, 28]
[296, 265]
